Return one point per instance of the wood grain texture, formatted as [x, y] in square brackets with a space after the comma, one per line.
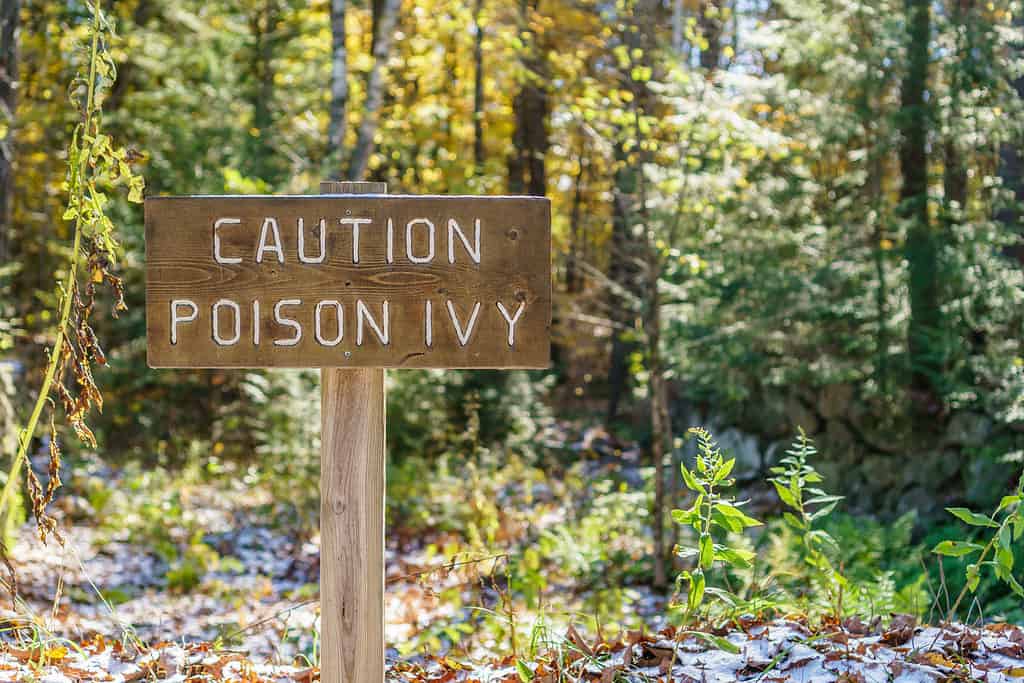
[514, 270]
[353, 429]
[352, 526]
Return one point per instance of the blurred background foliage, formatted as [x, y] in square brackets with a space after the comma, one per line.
[767, 215]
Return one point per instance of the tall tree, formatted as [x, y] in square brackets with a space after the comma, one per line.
[1011, 165]
[385, 13]
[922, 249]
[339, 81]
[8, 81]
[265, 31]
[526, 163]
[478, 87]
[711, 29]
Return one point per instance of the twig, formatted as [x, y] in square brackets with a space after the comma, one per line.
[446, 567]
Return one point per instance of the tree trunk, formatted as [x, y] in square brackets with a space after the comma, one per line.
[661, 426]
[339, 83]
[710, 22]
[677, 26]
[144, 11]
[264, 25]
[922, 245]
[478, 90]
[526, 164]
[1011, 169]
[385, 17]
[623, 272]
[8, 102]
[573, 278]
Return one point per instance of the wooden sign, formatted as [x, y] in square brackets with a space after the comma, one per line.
[383, 281]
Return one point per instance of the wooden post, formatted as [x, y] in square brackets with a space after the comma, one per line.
[352, 513]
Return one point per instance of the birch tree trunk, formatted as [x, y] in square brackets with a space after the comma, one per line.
[339, 82]
[383, 33]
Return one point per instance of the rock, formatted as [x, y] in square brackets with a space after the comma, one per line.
[834, 400]
[969, 430]
[743, 447]
[799, 415]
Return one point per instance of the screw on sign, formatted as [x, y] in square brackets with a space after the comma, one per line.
[351, 281]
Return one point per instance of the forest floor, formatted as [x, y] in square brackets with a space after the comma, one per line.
[239, 599]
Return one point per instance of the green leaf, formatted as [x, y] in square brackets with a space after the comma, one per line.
[525, 675]
[822, 498]
[1014, 586]
[824, 510]
[785, 495]
[956, 548]
[734, 513]
[1007, 501]
[707, 552]
[972, 518]
[973, 575]
[724, 471]
[684, 517]
[794, 521]
[695, 593]
[1004, 560]
[690, 480]
[736, 557]
[723, 595]
[715, 641]
[686, 552]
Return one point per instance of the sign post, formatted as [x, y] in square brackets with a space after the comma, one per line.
[351, 281]
[353, 411]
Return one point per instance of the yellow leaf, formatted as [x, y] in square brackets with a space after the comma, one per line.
[55, 654]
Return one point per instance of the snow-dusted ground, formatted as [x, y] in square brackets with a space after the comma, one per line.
[772, 652]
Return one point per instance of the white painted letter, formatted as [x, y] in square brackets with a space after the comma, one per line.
[323, 243]
[390, 255]
[428, 322]
[317, 325]
[355, 223]
[287, 322]
[430, 240]
[216, 240]
[363, 313]
[474, 253]
[175, 318]
[276, 247]
[463, 336]
[256, 322]
[216, 322]
[511, 320]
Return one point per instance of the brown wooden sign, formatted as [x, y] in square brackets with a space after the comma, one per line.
[381, 281]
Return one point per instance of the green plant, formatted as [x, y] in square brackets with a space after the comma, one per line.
[93, 164]
[1008, 524]
[792, 480]
[710, 511]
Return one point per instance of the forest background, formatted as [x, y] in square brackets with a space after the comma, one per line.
[768, 216]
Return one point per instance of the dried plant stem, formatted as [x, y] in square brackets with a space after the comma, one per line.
[25, 437]
[951, 615]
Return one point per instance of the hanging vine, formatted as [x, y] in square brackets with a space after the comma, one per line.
[94, 167]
